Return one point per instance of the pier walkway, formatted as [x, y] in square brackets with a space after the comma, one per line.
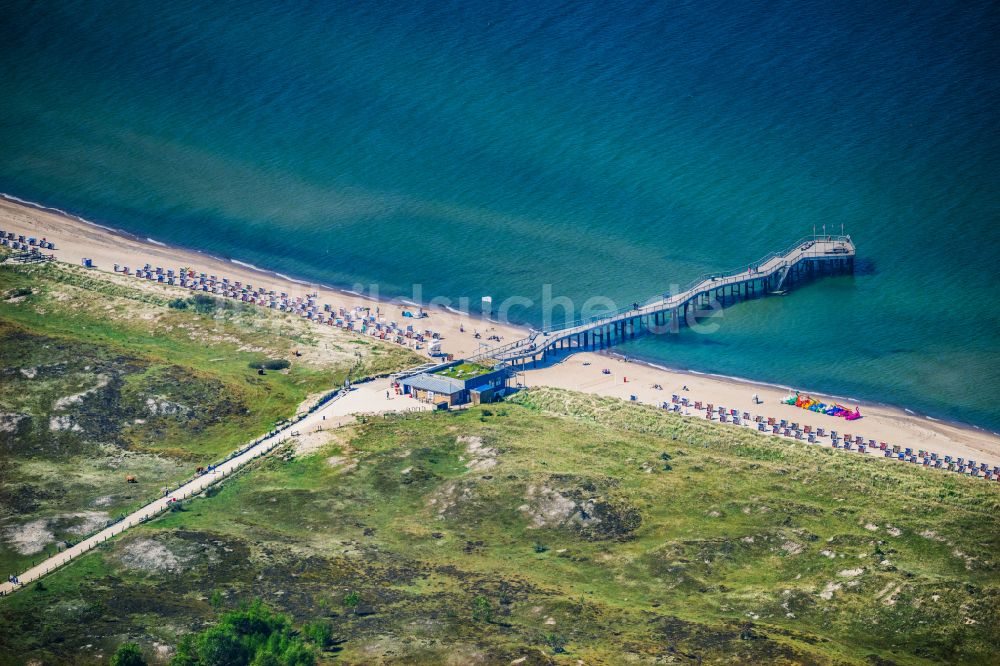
[776, 273]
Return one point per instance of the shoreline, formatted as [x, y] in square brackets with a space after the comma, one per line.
[76, 237]
[654, 365]
[244, 265]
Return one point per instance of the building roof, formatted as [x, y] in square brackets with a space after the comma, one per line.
[435, 383]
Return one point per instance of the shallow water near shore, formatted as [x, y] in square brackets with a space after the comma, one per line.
[608, 151]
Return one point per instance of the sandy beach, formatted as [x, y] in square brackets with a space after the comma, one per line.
[584, 372]
[76, 239]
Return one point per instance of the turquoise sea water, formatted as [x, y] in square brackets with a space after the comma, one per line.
[608, 150]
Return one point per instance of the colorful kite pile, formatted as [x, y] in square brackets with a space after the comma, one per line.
[805, 402]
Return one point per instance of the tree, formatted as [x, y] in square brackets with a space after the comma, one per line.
[187, 652]
[266, 659]
[221, 646]
[128, 654]
[482, 610]
[253, 635]
[320, 633]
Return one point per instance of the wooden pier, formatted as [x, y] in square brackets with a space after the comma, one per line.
[778, 272]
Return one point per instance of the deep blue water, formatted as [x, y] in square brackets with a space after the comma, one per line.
[608, 150]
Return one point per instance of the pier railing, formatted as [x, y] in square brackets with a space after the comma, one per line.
[715, 279]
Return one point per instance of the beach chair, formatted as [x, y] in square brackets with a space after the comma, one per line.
[761, 427]
[723, 418]
[882, 446]
[774, 429]
[807, 429]
[821, 432]
[746, 416]
[887, 454]
[770, 420]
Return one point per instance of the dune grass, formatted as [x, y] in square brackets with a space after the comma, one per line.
[557, 527]
[101, 379]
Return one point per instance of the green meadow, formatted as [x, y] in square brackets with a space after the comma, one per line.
[552, 529]
[101, 379]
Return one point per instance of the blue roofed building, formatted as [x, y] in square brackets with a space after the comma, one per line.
[456, 383]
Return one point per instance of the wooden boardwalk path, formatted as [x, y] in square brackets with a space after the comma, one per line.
[776, 273]
[363, 398]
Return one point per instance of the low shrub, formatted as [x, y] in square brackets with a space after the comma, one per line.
[271, 364]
